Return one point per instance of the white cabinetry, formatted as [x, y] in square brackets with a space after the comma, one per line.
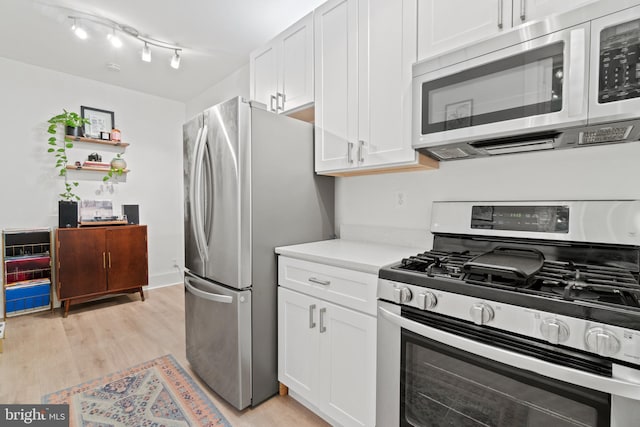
[281, 73]
[364, 50]
[327, 352]
[446, 24]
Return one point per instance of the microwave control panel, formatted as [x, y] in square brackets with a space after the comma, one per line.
[619, 62]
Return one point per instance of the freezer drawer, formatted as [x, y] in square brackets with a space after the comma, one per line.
[218, 333]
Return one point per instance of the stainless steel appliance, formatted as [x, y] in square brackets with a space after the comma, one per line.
[572, 80]
[249, 187]
[524, 313]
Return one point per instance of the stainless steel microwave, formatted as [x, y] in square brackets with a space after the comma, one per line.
[572, 80]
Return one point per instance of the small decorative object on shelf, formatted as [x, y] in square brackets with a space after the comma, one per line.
[118, 167]
[27, 270]
[115, 134]
[106, 136]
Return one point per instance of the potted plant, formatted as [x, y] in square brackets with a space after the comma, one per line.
[118, 166]
[72, 123]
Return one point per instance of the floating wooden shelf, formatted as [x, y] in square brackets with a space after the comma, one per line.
[92, 168]
[97, 141]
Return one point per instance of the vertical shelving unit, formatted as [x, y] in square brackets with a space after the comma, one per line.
[27, 270]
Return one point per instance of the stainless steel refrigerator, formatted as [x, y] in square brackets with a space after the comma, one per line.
[249, 186]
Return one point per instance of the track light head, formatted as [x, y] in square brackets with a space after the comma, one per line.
[78, 30]
[146, 53]
[115, 40]
[175, 60]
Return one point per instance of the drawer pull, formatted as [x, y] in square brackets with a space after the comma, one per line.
[319, 282]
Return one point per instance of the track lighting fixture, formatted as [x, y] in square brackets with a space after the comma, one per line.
[113, 36]
[78, 30]
[175, 60]
[146, 53]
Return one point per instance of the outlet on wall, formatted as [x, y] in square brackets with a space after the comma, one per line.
[401, 199]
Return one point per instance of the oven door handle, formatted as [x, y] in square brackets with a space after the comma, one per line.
[573, 376]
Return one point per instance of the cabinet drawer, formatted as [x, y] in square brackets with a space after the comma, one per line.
[352, 289]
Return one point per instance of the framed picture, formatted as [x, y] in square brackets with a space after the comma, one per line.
[99, 121]
[458, 114]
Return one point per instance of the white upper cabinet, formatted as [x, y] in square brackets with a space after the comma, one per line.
[364, 50]
[281, 73]
[264, 76]
[295, 82]
[446, 24]
[336, 71]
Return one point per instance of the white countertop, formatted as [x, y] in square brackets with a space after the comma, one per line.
[367, 257]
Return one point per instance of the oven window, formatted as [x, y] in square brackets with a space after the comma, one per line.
[444, 386]
[523, 85]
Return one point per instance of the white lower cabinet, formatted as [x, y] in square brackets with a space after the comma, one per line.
[327, 355]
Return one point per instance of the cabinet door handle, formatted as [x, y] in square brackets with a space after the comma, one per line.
[361, 151]
[273, 98]
[322, 327]
[104, 260]
[319, 282]
[523, 10]
[500, 10]
[278, 97]
[109, 259]
[349, 149]
[312, 324]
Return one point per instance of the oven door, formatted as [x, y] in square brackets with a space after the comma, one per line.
[429, 376]
[536, 86]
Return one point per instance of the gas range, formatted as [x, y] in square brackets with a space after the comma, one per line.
[562, 273]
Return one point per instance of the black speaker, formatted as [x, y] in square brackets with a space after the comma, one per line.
[131, 212]
[67, 214]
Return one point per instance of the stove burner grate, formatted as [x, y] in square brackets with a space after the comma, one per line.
[437, 263]
[557, 279]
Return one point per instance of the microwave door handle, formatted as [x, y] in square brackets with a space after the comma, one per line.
[577, 70]
[608, 385]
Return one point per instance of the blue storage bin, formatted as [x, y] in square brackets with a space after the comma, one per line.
[27, 297]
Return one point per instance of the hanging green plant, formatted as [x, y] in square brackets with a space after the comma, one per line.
[58, 146]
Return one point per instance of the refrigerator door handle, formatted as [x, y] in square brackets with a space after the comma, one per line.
[196, 200]
[226, 299]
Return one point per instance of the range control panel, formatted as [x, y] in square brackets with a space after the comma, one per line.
[619, 62]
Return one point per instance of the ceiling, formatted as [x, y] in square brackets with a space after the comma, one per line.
[216, 37]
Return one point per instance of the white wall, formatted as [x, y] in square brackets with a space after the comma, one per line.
[30, 95]
[236, 84]
[605, 172]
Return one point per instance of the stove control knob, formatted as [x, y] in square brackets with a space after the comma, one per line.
[555, 331]
[602, 341]
[402, 295]
[427, 300]
[481, 313]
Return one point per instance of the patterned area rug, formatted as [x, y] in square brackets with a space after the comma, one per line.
[155, 393]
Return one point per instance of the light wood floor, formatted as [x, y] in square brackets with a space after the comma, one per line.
[43, 352]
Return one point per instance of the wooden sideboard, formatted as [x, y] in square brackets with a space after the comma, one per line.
[97, 261]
